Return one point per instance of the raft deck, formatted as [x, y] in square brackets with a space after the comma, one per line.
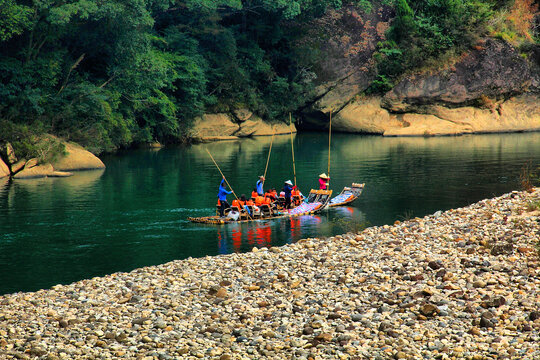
[347, 195]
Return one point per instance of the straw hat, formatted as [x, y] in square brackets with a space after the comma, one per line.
[288, 182]
[324, 176]
[261, 177]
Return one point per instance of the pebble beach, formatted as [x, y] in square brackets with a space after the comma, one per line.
[459, 284]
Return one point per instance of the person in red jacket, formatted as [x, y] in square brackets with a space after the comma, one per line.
[324, 181]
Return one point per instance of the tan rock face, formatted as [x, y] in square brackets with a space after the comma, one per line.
[212, 126]
[218, 127]
[31, 163]
[266, 129]
[521, 113]
[77, 158]
[18, 166]
[247, 128]
[38, 171]
[364, 116]
[4, 169]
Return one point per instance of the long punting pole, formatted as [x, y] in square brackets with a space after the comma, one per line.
[224, 178]
[269, 152]
[329, 141]
[292, 149]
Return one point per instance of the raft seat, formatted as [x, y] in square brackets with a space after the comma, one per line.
[253, 215]
[265, 210]
[225, 212]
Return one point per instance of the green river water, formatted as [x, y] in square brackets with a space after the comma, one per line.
[133, 214]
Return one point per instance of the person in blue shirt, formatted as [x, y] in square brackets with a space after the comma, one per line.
[222, 197]
[287, 189]
[260, 184]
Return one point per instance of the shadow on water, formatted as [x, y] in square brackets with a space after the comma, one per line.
[134, 213]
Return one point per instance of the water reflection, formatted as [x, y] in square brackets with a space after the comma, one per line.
[241, 237]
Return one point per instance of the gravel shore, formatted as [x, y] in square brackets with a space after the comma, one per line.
[464, 283]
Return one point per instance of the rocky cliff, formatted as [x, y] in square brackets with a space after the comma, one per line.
[490, 88]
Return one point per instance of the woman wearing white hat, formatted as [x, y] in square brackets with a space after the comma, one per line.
[324, 181]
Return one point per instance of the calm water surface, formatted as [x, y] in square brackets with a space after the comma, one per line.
[134, 213]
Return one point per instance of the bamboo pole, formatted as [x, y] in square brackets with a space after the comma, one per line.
[269, 152]
[292, 149]
[329, 142]
[224, 178]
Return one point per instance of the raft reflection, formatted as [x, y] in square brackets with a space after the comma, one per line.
[242, 237]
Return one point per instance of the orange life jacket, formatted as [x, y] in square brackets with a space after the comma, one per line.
[259, 200]
[250, 203]
[254, 194]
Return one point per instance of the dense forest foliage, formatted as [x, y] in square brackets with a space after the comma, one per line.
[111, 73]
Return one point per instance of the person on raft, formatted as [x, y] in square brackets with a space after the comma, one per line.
[287, 189]
[324, 181]
[260, 184]
[222, 198]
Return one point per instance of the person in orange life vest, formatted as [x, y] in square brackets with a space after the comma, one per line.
[240, 203]
[274, 193]
[269, 195]
[296, 196]
[324, 181]
[254, 194]
[259, 200]
[222, 197]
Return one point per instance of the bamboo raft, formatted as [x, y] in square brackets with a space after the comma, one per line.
[347, 195]
[316, 201]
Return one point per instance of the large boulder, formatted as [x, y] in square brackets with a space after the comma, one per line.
[520, 113]
[267, 129]
[38, 171]
[8, 154]
[4, 169]
[210, 127]
[364, 116]
[77, 158]
[247, 128]
[18, 166]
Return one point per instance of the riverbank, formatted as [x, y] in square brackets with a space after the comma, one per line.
[462, 283]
